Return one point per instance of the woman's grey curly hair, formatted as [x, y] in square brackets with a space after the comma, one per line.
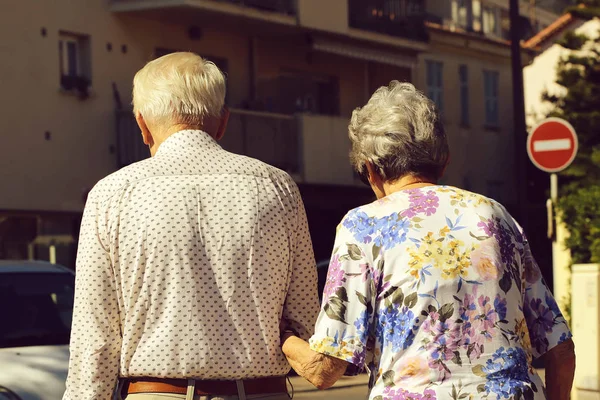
[400, 133]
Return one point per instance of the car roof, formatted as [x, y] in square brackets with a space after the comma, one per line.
[12, 266]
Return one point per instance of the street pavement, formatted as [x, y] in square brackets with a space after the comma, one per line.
[347, 388]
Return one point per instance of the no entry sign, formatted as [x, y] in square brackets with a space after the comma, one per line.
[552, 145]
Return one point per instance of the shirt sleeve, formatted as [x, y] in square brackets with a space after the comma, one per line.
[302, 301]
[545, 322]
[95, 334]
[344, 324]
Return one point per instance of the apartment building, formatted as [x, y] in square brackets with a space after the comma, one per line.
[296, 69]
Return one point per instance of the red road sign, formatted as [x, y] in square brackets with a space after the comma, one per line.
[552, 145]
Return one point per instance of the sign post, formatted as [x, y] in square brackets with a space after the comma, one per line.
[552, 146]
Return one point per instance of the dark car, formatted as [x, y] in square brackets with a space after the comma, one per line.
[36, 309]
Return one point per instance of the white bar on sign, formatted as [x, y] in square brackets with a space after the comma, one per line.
[551, 145]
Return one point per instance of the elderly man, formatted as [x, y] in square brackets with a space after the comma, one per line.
[189, 261]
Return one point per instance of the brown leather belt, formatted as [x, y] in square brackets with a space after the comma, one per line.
[268, 385]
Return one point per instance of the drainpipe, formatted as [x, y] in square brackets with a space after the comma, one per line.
[520, 128]
[253, 68]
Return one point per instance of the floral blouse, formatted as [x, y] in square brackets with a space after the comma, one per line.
[436, 291]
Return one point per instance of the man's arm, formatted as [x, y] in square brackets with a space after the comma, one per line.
[319, 369]
[560, 370]
[301, 306]
[95, 335]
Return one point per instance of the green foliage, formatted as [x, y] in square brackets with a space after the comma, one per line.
[579, 103]
[573, 41]
[580, 210]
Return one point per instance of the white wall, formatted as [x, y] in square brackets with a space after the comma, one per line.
[541, 75]
[40, 174]
[325, 148]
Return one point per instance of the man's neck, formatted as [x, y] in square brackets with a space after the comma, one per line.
[165, 133]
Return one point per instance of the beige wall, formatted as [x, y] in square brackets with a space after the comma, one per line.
[39, 174]
[330, 15]
[54, 174]
[479, 155]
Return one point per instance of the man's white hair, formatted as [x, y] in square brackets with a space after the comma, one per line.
[179, 88]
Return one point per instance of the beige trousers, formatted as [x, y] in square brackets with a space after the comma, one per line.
[165, 396]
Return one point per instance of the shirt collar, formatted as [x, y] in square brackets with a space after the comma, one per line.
[187, 138]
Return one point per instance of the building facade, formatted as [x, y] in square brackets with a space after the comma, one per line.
[295, 69]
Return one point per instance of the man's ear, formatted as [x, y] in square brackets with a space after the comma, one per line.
[222, 123]
[146, 134]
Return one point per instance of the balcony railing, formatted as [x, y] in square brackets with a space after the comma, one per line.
[272, 138]
[280, 6]
[130, 146]
[400, 18]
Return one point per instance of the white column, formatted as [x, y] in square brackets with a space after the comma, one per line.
[52, 252]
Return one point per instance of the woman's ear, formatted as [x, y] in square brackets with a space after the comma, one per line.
[146, 134]
[373, 176]
[375, 180]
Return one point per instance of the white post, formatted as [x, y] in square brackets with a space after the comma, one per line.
[554, 187]
[561, 256]
[30, 251]
[52, 251]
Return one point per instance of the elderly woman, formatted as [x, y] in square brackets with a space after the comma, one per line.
[433, 287]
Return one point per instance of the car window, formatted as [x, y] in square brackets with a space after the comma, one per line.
[36, 309]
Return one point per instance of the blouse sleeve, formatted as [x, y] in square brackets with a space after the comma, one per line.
[547, 326]
[346, 316]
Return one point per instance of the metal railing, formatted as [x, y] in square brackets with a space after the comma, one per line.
[281, 6]
[130, 146]
[401, 18]
[272, 138]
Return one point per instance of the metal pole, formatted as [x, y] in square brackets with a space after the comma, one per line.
[554, 188]
[520, 129]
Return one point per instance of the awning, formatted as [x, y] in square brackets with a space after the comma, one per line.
[364, 53]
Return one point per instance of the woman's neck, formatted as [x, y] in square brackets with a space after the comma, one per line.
[407, 182]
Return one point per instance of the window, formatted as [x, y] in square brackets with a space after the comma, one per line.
[297, 91]
[74, 61]
[477, 16]
[414, 8]
[435, 83]
[463, 76]
[491, 21]
[460, 13]
[490, 84]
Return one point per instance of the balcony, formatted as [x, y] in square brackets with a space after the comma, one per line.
[399, 18]
[272, 138]
[280, 6]
[212, 12]
[311, 148]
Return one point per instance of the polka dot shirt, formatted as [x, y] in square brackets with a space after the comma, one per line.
[187, 262]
